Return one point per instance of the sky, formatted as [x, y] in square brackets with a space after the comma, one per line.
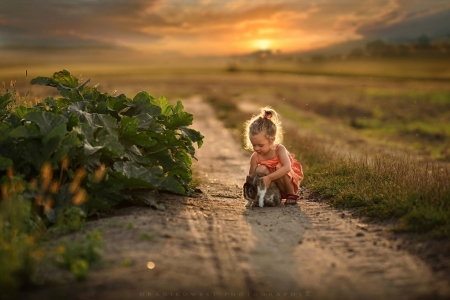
[137, 29]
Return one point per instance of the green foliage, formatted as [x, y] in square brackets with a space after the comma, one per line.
[137, 143]
[144, 236]
[5, 105]
[71, 219]
[127, 262]
[381, 186]
[79, 255]
[20, 228]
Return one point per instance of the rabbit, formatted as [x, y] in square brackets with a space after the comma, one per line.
[254, 188]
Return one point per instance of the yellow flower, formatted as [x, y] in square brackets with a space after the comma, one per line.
[99, 173]
[65, 163]
[80, 197]
[60, 249]
[54, 187]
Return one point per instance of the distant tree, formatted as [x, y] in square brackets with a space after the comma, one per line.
[423, 40]
[356, 53]
[318, 57]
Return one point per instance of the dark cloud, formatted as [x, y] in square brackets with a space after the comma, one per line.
[434, 25]
[210, 25]
[71, 23]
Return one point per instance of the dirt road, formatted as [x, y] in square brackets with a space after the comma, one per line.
[210, 246]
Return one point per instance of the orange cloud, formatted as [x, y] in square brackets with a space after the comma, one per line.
[202, 27]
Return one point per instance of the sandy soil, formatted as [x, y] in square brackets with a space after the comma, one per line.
[210, 246]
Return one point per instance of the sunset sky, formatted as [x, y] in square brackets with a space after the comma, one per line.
[151, 28]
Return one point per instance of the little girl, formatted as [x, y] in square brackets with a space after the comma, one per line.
[271, 160]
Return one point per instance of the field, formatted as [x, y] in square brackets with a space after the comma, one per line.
[358, 108]
[379, 144]
[374, 144]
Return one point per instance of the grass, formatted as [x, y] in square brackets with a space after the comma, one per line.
[381, 184]
[393, 68]
[332, 121]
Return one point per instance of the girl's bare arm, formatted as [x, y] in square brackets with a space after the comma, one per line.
[285, 164]
[253, 164]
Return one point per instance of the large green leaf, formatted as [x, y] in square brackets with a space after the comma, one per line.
[73, 120]
[177, 120]
[144, 97]
[5, 163]
[129, 130]
[16, 117]
[89, 149]
[65, 78]
[46, 121]
[5, 130]
[105, 194]
[166, 108]
[63, 81]
[108, 123]
[173, 185]
[148, 123]
[112, 145]
[135, 176]
[71, 140]
[50, 102]
[143, 102]
[85, 131]
[69, 94]
[42, 81]
[32, 156]
[58, 132]
[63, 103]
[192, 135]
[116, 103]
[79, 106]
[29, 130]
[90, 93]
[52, 143]
[94, 120]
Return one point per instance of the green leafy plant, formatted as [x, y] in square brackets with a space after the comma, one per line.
[79, 255]
[94, 146]
[144, 236]
[20, 230]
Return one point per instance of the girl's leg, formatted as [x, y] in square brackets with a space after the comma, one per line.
[262, 170]
[286, 187]
[285, 184]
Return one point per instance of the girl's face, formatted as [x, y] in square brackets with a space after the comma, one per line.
[261, 144]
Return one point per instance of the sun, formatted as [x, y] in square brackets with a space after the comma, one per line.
[263, 44]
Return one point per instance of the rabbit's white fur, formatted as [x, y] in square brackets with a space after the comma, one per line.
[255, 189]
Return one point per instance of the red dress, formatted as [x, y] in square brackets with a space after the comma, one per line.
[296, 172]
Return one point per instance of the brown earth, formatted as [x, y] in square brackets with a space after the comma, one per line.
[210, 246]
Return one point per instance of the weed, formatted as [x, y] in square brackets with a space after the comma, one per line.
[127, 262]
[72, 219]
[383, 185]
[20, 230]
[144, 236]
[79, 255]
[130, 226]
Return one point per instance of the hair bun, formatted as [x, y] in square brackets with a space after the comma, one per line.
[267, 114]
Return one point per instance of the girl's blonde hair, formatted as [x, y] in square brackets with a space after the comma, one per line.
[267, 120]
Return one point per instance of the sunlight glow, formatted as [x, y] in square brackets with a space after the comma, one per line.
[263, 44]
[151, 265]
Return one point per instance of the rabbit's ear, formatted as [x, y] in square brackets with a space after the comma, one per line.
[249, 178]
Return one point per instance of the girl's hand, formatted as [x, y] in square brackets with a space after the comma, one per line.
[267, 181]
